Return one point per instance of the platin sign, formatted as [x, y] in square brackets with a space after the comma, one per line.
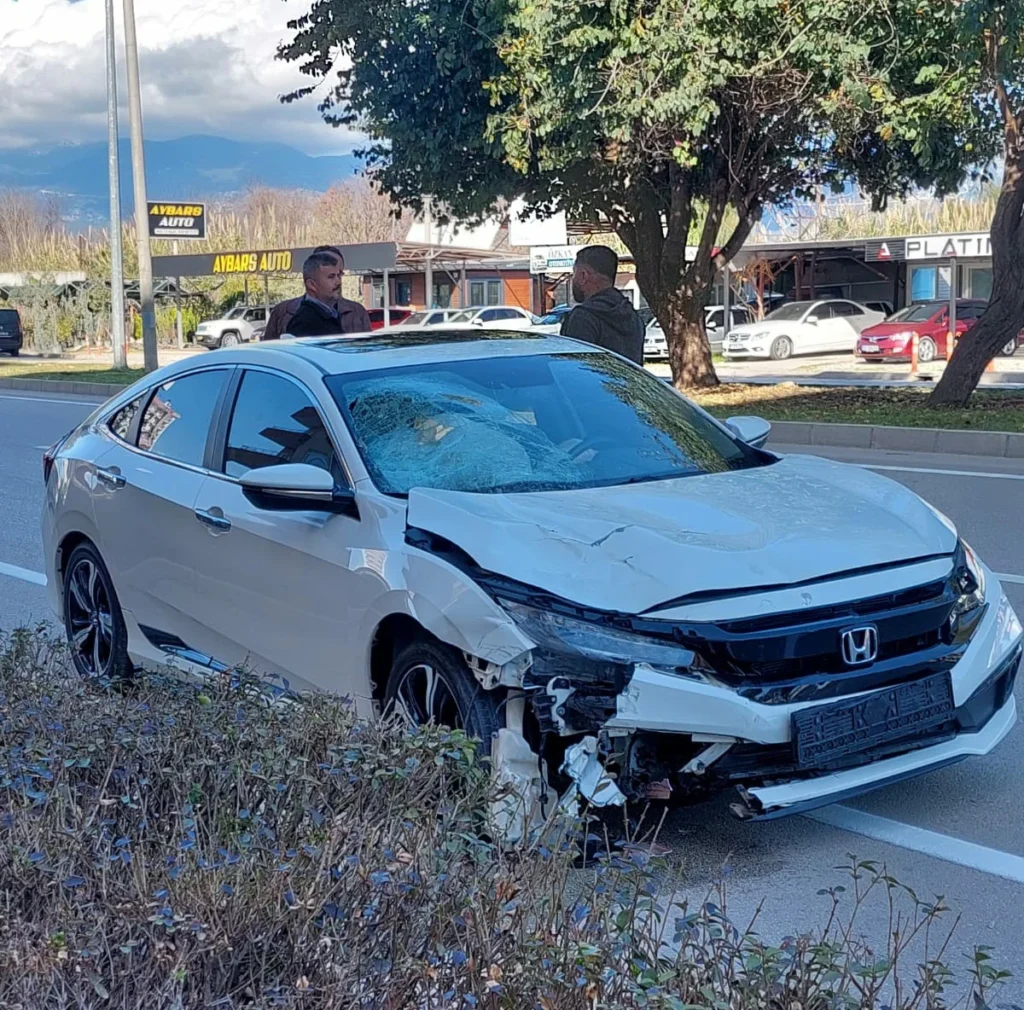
[177, 220]
[944, 247]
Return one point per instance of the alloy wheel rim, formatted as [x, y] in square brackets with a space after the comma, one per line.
[90, 619]
[424, 696]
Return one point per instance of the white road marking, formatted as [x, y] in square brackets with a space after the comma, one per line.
[24, 574]
[1018, 579]
[929, 843]
[43, 399]
[944, 473]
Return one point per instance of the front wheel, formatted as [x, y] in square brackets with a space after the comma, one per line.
[430, 682]
[230, 339]
[782, 348]
[96, 632]
[1009, 349]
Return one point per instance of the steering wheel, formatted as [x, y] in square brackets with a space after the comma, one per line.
[591, 442]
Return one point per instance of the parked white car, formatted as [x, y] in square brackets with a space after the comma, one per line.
[656, 346]
[540, 542]
[496, 317]
[825, 326]
[242, 325]
[427, 317]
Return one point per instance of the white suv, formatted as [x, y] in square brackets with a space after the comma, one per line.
[242, 325]
[536, 540]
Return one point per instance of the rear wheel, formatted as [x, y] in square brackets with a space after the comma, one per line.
[15, 352]
[230, 339]
[782, 348]
[1009, 349]
[926, 349]
[430, 682]
[95, 626]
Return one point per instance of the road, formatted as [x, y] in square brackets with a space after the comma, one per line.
[958, 832]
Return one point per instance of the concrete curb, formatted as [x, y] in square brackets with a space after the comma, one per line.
[956, 441]
[102, 390]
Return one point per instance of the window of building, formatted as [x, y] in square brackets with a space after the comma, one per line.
[403, 292]
[979, 282]
[377, 294]
[929, 284]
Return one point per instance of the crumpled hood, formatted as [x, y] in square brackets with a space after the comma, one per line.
[635, 547]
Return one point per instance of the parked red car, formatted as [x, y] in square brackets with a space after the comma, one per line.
[892, 340]
[397, 316]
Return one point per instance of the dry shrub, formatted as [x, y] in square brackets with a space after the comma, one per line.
[177, 846]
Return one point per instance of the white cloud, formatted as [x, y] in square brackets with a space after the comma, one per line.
[207, 66]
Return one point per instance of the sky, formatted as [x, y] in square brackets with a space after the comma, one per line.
[207, 66]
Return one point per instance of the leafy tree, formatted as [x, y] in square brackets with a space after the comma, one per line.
[675, 121]
[972, 52]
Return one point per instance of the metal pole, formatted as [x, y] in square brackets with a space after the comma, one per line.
[116, 254]
[387, 299]
[726, 303]
[179, 327]
[428, 282]
[463, 297]
[952, 300]
[131, 46]
[266, 296]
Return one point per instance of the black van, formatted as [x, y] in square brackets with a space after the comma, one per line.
[10, 332]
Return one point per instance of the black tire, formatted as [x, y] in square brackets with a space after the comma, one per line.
[229, 339]
[782, 348]
[1009, 349]
[14, 353]
[428, 668]
[96, 632]
[926, 350]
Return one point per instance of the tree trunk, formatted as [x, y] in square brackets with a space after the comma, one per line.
[689, 353]
[1004, 317]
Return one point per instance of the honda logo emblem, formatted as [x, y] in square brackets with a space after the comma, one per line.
[860, 645]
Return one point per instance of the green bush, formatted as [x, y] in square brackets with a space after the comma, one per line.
[177, 846]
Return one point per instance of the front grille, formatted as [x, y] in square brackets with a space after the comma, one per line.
[796, 656]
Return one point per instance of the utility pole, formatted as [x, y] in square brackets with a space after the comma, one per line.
[116, 255]
[131, 46]
[428, 279]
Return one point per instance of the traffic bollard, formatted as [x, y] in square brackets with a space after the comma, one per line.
[913, 354]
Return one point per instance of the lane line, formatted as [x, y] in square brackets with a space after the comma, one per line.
[43, 399]
[1018, 579]
[929, 843]
[23, 574]
[944, 473]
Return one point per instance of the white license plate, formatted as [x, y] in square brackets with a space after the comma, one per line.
[869, 348]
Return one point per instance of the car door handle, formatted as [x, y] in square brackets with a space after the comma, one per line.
[112, 478]
[215, 522]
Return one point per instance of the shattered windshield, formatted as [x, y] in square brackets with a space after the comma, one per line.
[528, 423]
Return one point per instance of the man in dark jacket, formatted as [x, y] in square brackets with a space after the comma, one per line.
[352, 316]
[603, 316]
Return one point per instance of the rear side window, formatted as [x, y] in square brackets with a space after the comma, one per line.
[121, 423]
[176, 423]
[10, 322]
[275, 421]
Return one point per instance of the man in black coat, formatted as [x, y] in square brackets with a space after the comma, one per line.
[603, 316]
[317, 314]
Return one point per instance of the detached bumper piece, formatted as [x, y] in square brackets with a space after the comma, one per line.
[974, 729]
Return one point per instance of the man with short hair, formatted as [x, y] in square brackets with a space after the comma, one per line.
[352, 316]
[603, 316]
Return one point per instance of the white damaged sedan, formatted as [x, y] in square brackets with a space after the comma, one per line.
[535, 540]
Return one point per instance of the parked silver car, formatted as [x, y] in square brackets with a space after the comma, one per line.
[656, 346]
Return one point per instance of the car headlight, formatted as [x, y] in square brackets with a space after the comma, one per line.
[970, 581]
[563, 634]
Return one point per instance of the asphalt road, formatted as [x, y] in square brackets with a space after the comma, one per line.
[958, 833]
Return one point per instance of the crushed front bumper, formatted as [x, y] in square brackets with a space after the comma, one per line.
[758, 752]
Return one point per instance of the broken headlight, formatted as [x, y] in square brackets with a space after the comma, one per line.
[560, 633]
[970, 581]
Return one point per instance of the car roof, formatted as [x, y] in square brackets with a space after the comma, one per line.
[363, 352]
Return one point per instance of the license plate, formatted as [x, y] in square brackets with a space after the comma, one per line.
[828, 732]
[869, 348]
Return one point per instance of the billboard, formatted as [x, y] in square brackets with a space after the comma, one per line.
[177, 220]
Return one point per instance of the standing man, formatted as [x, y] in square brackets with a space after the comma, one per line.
[602, 315]
[317, 314]
[352, 317]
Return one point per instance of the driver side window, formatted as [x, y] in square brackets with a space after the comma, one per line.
[274, 421]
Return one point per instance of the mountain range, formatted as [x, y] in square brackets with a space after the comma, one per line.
[189, 168]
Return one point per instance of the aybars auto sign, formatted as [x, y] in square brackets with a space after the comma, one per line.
[177, 220]
[944, 247]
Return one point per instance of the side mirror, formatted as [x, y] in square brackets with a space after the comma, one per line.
[297, 487]
[813, 320]
[752, 430]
